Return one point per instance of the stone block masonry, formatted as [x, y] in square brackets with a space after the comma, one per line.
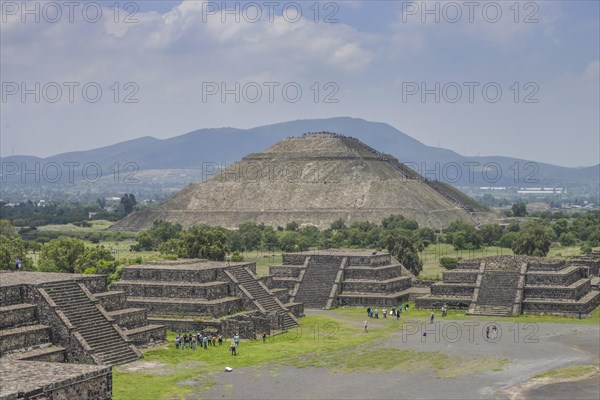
[508, 285]
[366, 278]
[196, 294]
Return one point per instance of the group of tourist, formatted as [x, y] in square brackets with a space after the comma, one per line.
[394, 312]
[202, 340]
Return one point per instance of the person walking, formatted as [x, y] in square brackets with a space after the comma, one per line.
[264, 338]
[431, 317]
[384, 311]
[366, 325]
[220, 339]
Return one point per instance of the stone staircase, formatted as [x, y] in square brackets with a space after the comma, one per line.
[316, 285]
[497, 293]
[107, 344]
[261, 296]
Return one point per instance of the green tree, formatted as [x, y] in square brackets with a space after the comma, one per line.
[97, 258]
[519, 209]
[11, 248]
[199, 241]
[160, 232]
[292, 226]
[269, 239]
[251, 234]
[404, 250]
[534, 239]
[7, 228]
[463, 236]
[60, 255]
[128, 201]
[398, 221]
[338, 225]
[508, 240]
[491, 234]
[289, 240]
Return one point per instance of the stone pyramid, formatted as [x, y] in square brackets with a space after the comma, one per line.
[312, 179]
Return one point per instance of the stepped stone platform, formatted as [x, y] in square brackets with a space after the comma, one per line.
[51, 326]
[196, 295]
[509, 285]
[48, 380]
[331, 278]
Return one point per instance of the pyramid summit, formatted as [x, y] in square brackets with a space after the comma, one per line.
[313, 179]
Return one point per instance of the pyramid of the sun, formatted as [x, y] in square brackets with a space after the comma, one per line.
[313, 179]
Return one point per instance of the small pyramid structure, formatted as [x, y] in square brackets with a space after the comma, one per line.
[313, 179]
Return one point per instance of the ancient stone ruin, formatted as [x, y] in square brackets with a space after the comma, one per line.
[509, 285]
[314, 179]
[197, 295]
[61, 333]
[332, 278]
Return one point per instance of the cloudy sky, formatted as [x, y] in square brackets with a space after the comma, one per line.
[480, 78]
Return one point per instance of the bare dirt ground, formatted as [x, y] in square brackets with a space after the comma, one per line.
[527, 350]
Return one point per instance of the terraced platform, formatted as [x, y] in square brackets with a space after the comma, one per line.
[200, 294]
[509, 285]
[329, 278]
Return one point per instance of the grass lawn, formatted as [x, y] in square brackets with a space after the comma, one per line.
[337, 342]
[97, 226]
[594, 318]
[263, 259]
[431, 257]
[574, 371]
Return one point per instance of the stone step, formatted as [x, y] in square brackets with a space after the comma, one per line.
[46, 354]
[17, 315]
[129, 318]
[24, 337]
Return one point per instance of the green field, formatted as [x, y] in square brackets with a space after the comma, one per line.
[337, 342]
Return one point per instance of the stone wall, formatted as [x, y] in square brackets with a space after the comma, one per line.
[157, 289]
[371, 301]
[282, 294]
[151, 274]
[558, 292]
[296, 308]
[94, 283]
[53, 381]
[215, 309]
[395, 285]
[287, 283]
[376, 260]
[17, 315]
[113, 300]
[459, 276]
[293, 259]
[10, 295]
[449, 289]
[291, 271]
[549, 265]
[556, 279]
[130, 319]
[186, 325]
[373, 273]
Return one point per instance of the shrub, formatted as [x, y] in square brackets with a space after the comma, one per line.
[449, 262]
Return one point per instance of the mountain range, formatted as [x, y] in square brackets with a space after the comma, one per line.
[228, 145]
